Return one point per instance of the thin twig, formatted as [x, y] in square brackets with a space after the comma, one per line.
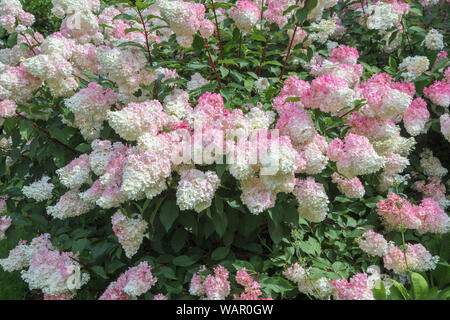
[148, 47]
[217, 30]
[212, 63]
[48, 134]
[262, 58]
[289, 51]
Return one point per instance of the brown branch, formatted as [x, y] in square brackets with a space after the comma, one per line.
[289, 51]
[48, 134]
[217, 30]
[259, 70]
[212, 63]
[290, 44]
[148, 47]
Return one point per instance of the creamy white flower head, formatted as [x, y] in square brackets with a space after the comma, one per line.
[413, 67]
[431, 165]
[434, 40]
[40, 190]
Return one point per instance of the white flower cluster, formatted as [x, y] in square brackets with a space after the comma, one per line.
[137, 118]
[312, 199]
[431, 165]
[177, 105]
[196, 189]
[90, 107]
[78, 19]
[320, 288]
[413, 67]
[144, 175]
[129, 231]
[55, 71]
[317, 12]
[76, 172]
[70, 205]
[40, 190]
[434, 40]
[262, 84]
[325, 28]
[185, 19]
[382, 16]
[102, 151]
[126, 67]
[197, 81]
[13, 18]
[20, 257]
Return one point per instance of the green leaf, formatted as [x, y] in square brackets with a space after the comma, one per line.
[220, 253]
[168, 213]
[301, 15]
[26, 128]
[419, 286]
[80, 245]
[292, 99]
[398, 291]
[310, 5]
[12, 40]
[125, 16]
[275, 231]
[379, 291]
[178, 239]
[184, 261]
[258, 37]
[100, 271]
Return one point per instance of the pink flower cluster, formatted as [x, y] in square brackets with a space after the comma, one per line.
[246, 15]
[13, 18]
[438, 93]
[356, 289]
[415, 258]
[354, 156]
[7, 108]
[131, 284]
[5, 223]
[352, 188]
[433, 188]
[384, 98]
[90, 107]
[416, 116]
[275, 9]
[185, 19]
[48, 269]
[129, 231]
[328, 93]
[213, 287]
[252, 289]
[373, 243]
[428, 216]
[312, 199]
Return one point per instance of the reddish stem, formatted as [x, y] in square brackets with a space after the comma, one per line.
[48, 134]
[212, 63]
[217, 28]
[148, 47]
